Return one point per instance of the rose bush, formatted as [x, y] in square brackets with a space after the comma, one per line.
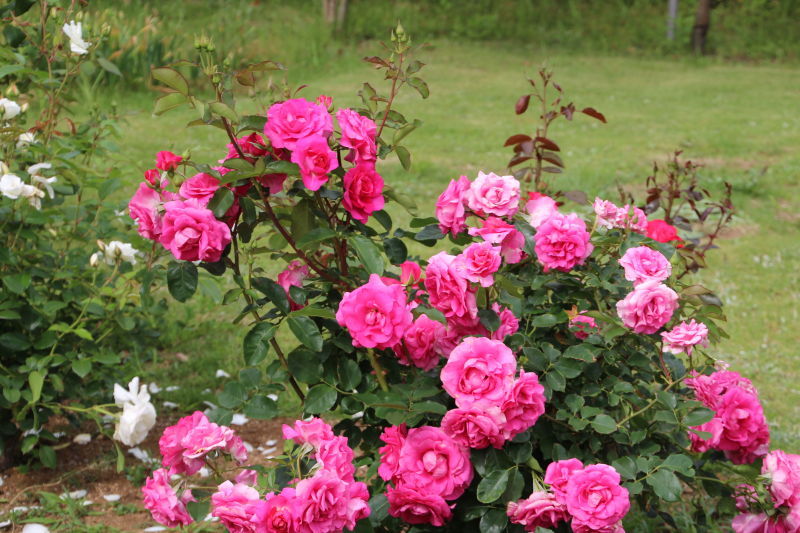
[546, 366]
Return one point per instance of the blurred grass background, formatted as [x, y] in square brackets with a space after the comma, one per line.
[734, 111]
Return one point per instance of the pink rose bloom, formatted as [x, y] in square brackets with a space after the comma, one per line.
[171, 445]
[783, 471]
[539, 208]
[162, 502]
[321, 503]
[235, 506]
[434, 463]
[251, 145]
[248, 477]
[201, 187]
[751, 523]
[540, 509]
[143, 208]
[153, 177]
[324, 100]
[711, 388]
[497, 231]
[645, 264]
[638, 221]
[166, 160]
[275, 513]
[394, 437]
[191, 232]
[478, 263]
[582, 527]
[206, 437]
[684, 337]
[315, 159]
[358, 134]
[410, 273]
[595, 498]
[450, 206]
[293, 120]
[448, 341]
[415, 506]
[337, 457]
[508, 323]
[357, 504]
[363, 191]
[448, 290]
[313, 431]
[558, 473]
[479, 369]
[582, 326]
[375, 314]
[477, 426]
[419, 344]
[293, 276]
[647, 307]
[661, 231]
[491, 194]
[745, 435]
[562, 242]
[608, 214]
[525, 404]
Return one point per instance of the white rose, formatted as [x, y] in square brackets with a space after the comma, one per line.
[8, 109]
[135, 423]
[134, 394]
[33, 195]
[120, 250]
[25, 139]
[73, 31]
[11, 186]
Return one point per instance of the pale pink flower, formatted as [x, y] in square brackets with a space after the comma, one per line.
[336, 456]
[313, 431]
[450, 207]
[418, 506]
[293, 276]
[509, 324]
[192, 232]
[558, 473]
[275, 513]
[524, 404]
[321, 503]
[491, 194]
[783, 471]
[479, 369]
[645, 264]
[497, 231]
[162, 502]
[595, 498]
[358, 134]
[235, 506]
[648, 307]
[419, 343]
[539, 208]
[684, 337]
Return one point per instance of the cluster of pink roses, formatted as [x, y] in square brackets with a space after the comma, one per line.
[590, 497]
[427, 468]
[327, 502]
[492, 405]
[781, 472]
[739, 427]
[627, 217]
[651, 304]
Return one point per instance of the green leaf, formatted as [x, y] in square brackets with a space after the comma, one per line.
[181, 279]
[306, 331]
[261, 407]
[273, 292]
[12, 395]
[430, 407]
[545, 321]
[167, 102]
[319, 399]
[368, 253]
[348, 374]
[604, 424]
[36, 380]
[395, 250]
[172, 79]
[198, 510]
[14, 341]
[555, 381]
[221, 202]
[305, 365]
[679, 462]
[82, 367]
[420, 85]
[109, 66]
[626, 467]
[17, 283]
[489, 319]
[224, 111]
[310, 310]
[666, 485]
[582, 352]
[47, 455]
[256, 343]
[493, 485]
[250, 377]
[404, 156]
[232, 396]
[494, 521]
[429, 233]
[698, 416]
[303, 219]
[315, 236]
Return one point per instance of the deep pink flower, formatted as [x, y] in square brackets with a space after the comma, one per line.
[166, 160]
[491, 194]
[645, 264]
[235, 506]
[162, 502]
[434, 463]
[358, 134]
[275, 513]
[751, 523]
[595, 497]
[711, 388]
[394, 437]
[252, 145]
[363, 191]
[562, 242]
[313, 431]
[417, 506]
[497, 231]
[144, 209]
[324, 100]
[524, 404]
[172, 447]
[375, 314]
[410, 273]
[783, 471]
[293, 276]
[448, 290]
[582, 326]
[478, 426]
[201, 187]
[479, 369]
[293, 120]
[558, 473]
[153, 177]
[540, 509]
[315, 159]
[478, 263]
[661, 231]
[450, 209]
[648, 307]
[357, 504]
[336, 456]
[539, 208]
[508, 322]
[684, 337]
[191, 232]
[321, 503]
[419, 343]
[583, 527]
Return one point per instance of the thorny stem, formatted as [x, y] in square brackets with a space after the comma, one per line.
[650, 404]
[376, 366]
[391, 95]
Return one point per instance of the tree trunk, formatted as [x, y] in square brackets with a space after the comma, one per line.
[702, 21]
[672, 14]
[334, 12]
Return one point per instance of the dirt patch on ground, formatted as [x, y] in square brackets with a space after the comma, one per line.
[92, 467]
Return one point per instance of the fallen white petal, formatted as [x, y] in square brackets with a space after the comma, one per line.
[82, 439]
[273, 397]
[239, 419]
[155, 528]
[75, 494]
[270, 450]
[154, 389]
[170, 405]
[5, 524]
[271, 442]
[111, 497]
[222, 374]
[172, 388]
[35, 528]
[248, 446]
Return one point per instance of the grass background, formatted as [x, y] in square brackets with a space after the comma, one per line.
[739, 119]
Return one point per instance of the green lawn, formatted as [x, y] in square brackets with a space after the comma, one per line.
[739, 120]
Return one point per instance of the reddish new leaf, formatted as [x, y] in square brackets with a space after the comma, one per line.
[522, 104]
[547, 144]
[592, 112]
[516, 139]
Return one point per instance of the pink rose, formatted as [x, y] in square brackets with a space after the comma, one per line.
[783, 471]
[358, 134]
[558, 473]
[415, 506]
[162, 502]
[419, 344]
[293, 276]
[594, 497]
[313, 432]
[608, 214]
[293, 120]
[235, 506]
[363, 191]
[637, 221]
[562, 242]
[205, 437]
[479, 369]
[321, 503]
[582, 527]
[191, 232]
[582, 326]
[394, 437]
[434, 463]
[450, 207]
[375, 314]
[540, 509]
[153, 177]
[275, 513]
[248, 477]
[171, 445]
[751, 523]
[337, 457]
[477, 426]
[324, 100]
[478, 263]
[315, 160]
[410, 273]
[143, 208]
[491, 194]
[711, 388]
[684, 337]
[661, 231]
[497, 231]
[448, 290]
[357, 504]
[201, 187]
[539, 208]
[508, 323]
[647, 307]
[645, 264]
[166, 160]
[745, 435]
[524, 405]
[251, 145]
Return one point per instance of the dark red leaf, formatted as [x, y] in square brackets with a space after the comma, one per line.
[522, 104]
[517, 139]
[553, 158]
[592, 112]
[567, 111]
[552, 170]
[375, 60]
[547, 144]
[518, 159]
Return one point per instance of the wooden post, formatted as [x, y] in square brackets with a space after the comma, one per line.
[702, 21]
[672, 14]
